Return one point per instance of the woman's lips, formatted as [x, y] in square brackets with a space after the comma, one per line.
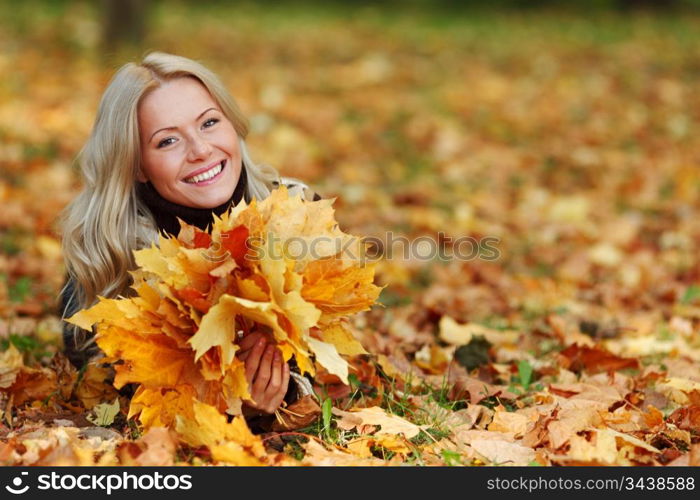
[210, 180]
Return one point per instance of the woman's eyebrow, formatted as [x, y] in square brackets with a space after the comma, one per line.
[173, 128]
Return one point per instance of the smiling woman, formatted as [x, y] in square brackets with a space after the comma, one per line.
[189, 149]
[168, 143]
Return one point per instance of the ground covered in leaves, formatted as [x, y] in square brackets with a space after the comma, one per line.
[572, 141]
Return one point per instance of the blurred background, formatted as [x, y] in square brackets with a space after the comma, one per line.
[567, 130]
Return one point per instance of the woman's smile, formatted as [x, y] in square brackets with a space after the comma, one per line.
[207, 176]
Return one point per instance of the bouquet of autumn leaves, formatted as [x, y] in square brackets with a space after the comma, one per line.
[273, 265]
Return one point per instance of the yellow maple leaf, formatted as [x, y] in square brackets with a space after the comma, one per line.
[339, 289]
[285, 291]
[342, 339]
[151, 360]
[217, 327]
[161, 261]
[328, 357]
[232, 442]
[158, 407]
[122, 313]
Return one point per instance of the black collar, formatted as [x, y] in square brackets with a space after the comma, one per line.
[166, 212]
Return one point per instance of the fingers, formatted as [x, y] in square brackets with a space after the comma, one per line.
[262, 376]
[253, 359]
[249, 341]
[281, 390]
[266, 372]
[285, 381]
[247, 344]
[275, 383]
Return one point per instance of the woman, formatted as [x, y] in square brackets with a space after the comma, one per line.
[167, 143]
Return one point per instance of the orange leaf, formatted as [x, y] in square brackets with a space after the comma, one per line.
[152, 360]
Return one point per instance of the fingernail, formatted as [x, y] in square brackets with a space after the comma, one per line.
[277, 355]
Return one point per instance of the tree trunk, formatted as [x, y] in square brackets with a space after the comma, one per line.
[124, 22]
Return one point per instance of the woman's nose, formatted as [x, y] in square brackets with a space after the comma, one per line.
[199, 148]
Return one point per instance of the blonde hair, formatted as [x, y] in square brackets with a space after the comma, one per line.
[107, 221]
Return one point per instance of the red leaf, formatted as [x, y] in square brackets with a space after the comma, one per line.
[594, 359]
[687, 418]
[201, 239]
[235, 242]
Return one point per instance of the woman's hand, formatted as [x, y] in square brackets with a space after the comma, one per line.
[266, 371]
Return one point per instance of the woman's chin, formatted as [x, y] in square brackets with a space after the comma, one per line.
[211, 198]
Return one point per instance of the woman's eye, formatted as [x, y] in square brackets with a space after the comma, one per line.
[210, 122]
[166, 142]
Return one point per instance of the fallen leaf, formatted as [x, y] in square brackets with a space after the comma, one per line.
[474, 354]
[104, 413]
[503, 452]
[232, 443]
[301, 413]
[390, 424]
[594, 359]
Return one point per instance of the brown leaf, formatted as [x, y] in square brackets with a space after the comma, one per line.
[317, 454]
[594, 359]
[33, 384]
[66, 374]
[538, 434]
[464, 386]
[299, 414]
[95, 386]
[500, 452]
[687, 418]
[376, 416]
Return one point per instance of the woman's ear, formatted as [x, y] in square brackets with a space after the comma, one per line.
[140, 176]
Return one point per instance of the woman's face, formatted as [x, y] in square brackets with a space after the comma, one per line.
[189, 149]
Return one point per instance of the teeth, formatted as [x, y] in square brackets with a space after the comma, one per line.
[205, 175]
